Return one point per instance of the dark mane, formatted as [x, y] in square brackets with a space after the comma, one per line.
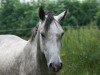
[34, 32]
[49, 19]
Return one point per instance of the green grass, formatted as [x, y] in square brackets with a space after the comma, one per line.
[81, 51]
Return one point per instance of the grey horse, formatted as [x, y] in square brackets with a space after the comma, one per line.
[40, 55]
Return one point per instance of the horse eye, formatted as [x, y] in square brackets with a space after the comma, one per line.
[43, 35]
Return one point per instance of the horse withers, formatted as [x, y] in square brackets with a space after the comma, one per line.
[40, 55]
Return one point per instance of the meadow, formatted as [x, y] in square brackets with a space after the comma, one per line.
[81, 51]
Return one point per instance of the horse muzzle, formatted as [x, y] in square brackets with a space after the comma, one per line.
[55, 67]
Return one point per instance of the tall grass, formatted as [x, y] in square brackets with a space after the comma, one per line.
[81, 51]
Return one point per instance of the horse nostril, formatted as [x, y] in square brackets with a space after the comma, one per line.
[61, 65]
[51, 65]
[55, 67]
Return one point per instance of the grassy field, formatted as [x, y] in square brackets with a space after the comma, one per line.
[81, 51]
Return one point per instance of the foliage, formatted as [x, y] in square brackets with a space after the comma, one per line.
[16, 15]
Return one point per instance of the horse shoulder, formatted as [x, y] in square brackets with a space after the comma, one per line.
[10, 49]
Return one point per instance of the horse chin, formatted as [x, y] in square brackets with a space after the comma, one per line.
[54, 70]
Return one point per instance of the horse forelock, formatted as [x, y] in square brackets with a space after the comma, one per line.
[49, 20]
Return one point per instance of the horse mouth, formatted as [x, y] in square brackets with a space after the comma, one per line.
[54, 70]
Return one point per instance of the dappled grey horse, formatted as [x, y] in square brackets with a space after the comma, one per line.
[40, 55]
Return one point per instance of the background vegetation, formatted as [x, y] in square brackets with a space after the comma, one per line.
[81, 41]
[17, 15]
[81, 51]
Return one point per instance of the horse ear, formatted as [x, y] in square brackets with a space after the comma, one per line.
[41, 13]
[62, 15]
